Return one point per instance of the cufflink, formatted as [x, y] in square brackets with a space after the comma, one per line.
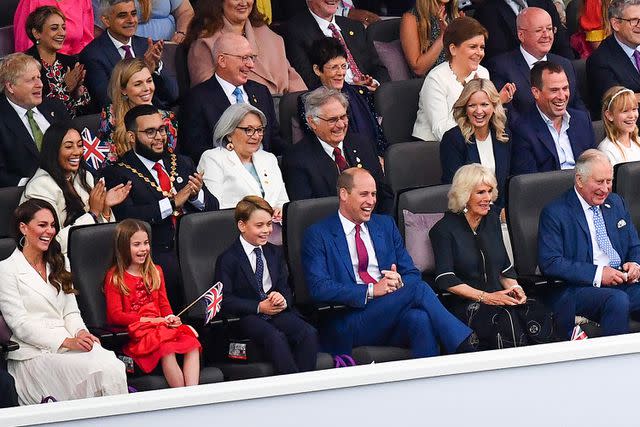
[622, 223]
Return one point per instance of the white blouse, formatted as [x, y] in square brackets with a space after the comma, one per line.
[485, 150]
[616, 156]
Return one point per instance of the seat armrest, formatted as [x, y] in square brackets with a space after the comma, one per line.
[7, 346]
[538, 281]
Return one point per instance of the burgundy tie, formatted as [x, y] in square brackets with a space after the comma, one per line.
[357, 74]
[165, 184]
[127, 51]
[340, 160]
[363, 259]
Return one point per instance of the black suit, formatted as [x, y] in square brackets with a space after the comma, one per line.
[8, 396]
[205, 104]
[142, 204]
[310, 173]
[302, 30]
[101, 55]
[500, 21]
[609, 66]
[19, 156]
[278, 332]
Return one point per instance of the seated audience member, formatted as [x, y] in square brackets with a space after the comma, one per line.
[255, 277]
[536, 34]
[330, 65]
[64, 182]
[24, 117]
[615, 62]
[587, 239]
[57, 357]
[62, 76]
[481, 135]
[499, 18]
[364, 13]
[421, 33]
[312, 166]
[237, 166]
[79, 24]
[464, 42]
[131, 84]
[551, 135]
[215, 17]
[119, 41]
[136, 298]
[158, 19]
[620, 116]
[319, 20]
[164, 186]
[593, 27]
[230, 84]
[472, 264]
[8, 395]
[357, 259]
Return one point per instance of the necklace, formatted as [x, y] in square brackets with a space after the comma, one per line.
[41, 270]
[172, 176]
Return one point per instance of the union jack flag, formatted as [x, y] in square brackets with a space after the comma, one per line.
[95, 151]
[213, 298]
[578, 334]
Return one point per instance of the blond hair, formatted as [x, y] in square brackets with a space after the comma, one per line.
[615, 100]
[499, 118]
[12, 66]
[426, 9]
[466, 179]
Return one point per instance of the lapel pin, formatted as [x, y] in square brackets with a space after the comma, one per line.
[255, 101]
[358, 160]
[350, 33]
[607, 205]
[361, 92]
[179, 180]
[622, 223]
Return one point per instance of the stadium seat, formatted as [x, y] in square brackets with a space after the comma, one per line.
[9, 200]
[625, 183]
[6, 40]
[299, 215]
[385, 30]
[89, 121]
[573, 11]
[598, 130]
[182, 71]
[412, 164]
[7, 245]
[8, 10]
[90, 256]
[580, 66]
[288, 114]
[432, 199]
[397, 104]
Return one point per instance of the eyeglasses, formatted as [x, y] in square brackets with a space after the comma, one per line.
[334, 120]
[153, 132]
[633, 21]
[246, 59]
[542, 30]
[252, 131]
[335, 68]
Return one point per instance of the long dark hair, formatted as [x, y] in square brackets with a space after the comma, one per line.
[51, 143]
[59, 277]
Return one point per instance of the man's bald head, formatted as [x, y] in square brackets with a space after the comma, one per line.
[234, 58]
[535, 31]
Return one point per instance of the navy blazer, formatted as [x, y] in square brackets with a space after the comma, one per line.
[500, 21]
[310, 173]
[564, 241]
[302, 30]
[533, 147]
[19, 156]
[142, 202]
[511, 67]
[455, 152]
[609, 66]
[203, 107]
[241, 295]
[100, 56]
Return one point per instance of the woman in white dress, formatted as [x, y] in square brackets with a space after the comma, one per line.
[57, 357]
[464, 41]
[620, 116]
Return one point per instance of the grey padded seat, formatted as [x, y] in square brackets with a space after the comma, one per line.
[385, 30]
[397, 103]
[627, 178]
[412, 164]
[9, 200]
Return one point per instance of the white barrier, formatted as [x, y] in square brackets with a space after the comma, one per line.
[584, 383]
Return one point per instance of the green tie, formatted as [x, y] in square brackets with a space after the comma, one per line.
[35, 129]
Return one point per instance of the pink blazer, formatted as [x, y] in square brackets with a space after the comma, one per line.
[271, 69]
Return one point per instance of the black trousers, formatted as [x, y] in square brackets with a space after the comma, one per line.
[8, 395]
[507, 326]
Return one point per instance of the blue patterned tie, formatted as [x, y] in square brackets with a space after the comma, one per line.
[237, 92]
[259, 276]
[603, 239]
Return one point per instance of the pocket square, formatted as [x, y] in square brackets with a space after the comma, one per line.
[622, 223]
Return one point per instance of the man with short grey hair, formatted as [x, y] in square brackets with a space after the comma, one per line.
[617, 60]
[587, 239]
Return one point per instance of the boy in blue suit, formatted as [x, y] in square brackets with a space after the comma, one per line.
[255, 276]
[358, 259]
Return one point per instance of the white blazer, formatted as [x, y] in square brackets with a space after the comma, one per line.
[39, 316]
[42, 186]
[226, 177]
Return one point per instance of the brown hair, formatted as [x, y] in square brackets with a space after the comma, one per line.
[122, 257]
[37, 18]
[618, 98]
[460, 30]
[498, 119]
[346, 178]
[249, 205]
[145, 10]
[427, 9]
[540, 68]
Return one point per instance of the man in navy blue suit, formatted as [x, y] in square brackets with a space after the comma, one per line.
[587, 239]
[119, 41]
[536, 34]
[356, 258]
[550, 136]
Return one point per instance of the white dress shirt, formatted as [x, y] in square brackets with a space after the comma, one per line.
[561, 140]
[439, 92]
[228, 89]
[42, 122]
[485, 150]
[249, 249]
[530, 59]
[350, 234]
[328, 148]
[118, 44]
[600, 258]
[515, 6]
[618, 153]
[628, 51]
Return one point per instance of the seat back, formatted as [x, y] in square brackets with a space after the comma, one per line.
[9, 200]
[580, 66]
[288, 114]
[202, 237]
[8, 10]
[573, 11]
[627, 177]
[385, 30]
[299, 215]
[527, 195]
[598, 130]
[89, 121]
[397, 103]
[432, 199]
[6, 40]
[412, 164]
[7, 245]
[182, 70]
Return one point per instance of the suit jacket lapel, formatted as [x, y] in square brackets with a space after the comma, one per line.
[132, 160]
[622, 61]
[245, 266]
[234, 160]
[340, 241]
[379, 245]
[522, 67]
[611, 226]
[573, 201]
[110, 51]
[32, 279]
[326, 166]
[508, 16]
[251, 94]
[272, 264]
[17, 126]
[473, 155]
[542, 131]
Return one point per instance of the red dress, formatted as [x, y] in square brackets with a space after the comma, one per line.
[148, 342]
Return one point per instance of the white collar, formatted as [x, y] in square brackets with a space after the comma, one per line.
[323, 23]
[348, 226]
[530, 59]
[21, 110]
[149, 163]
[227, 87]
[565, 118]
[328, 148]
[248, 247]
[627, 50]
[118, 44]
[586, 206]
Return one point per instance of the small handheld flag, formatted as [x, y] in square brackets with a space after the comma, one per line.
[213, 298]
[95, 150]
[578, 334]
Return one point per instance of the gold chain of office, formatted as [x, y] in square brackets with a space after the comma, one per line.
[172, 176]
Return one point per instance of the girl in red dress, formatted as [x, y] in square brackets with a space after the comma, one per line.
[137, 298]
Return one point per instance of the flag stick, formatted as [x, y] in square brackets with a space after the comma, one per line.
[196, 300]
